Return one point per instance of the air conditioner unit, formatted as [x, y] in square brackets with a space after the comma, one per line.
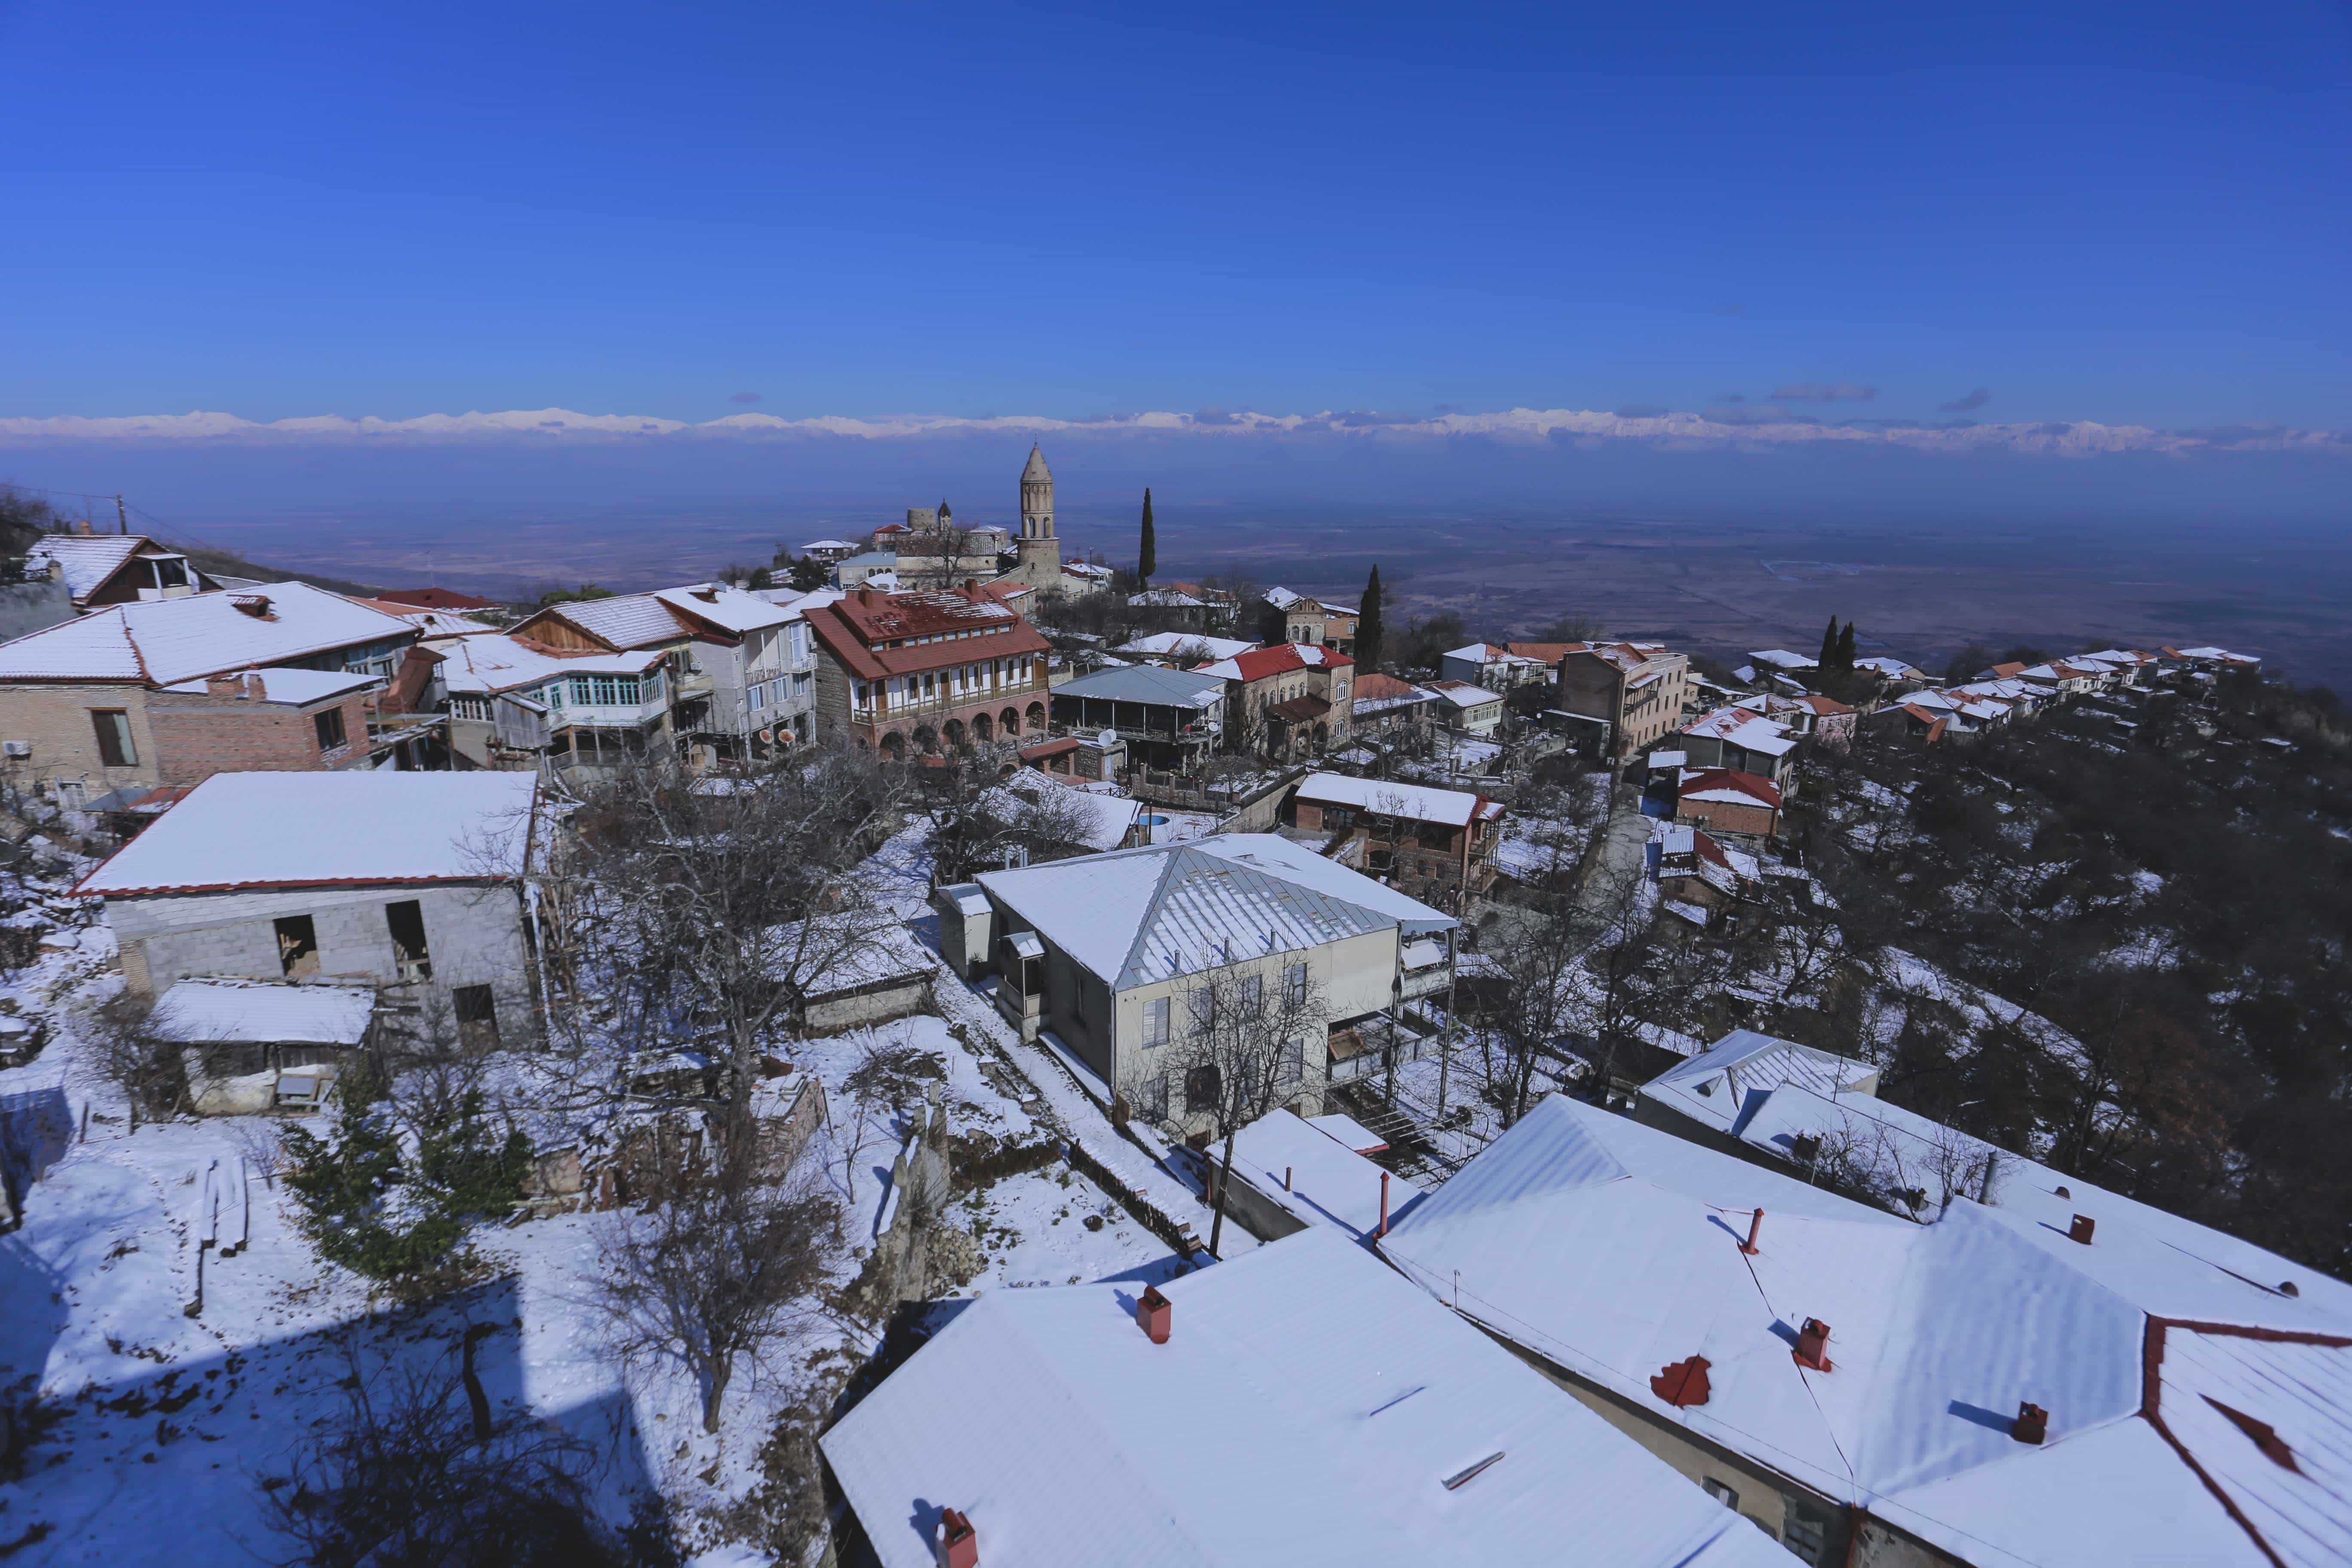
[16, 748]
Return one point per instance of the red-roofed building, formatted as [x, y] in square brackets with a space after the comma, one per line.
[438, 599]
[1290, 701]
[915, 673]
[1726, 801]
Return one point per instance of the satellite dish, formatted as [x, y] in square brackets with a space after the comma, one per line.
[1106, 739]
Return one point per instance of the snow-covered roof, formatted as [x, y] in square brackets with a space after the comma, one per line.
[310, 829]
[197, 1012]
[1330, 1183]
[868, 956]
[1142, 915]
[1454, 807]
[1781, 659]
[622, 621]
[1258, 663]
[1352, 1134]
[496, 662]
[1166, 599]
[827, 544]
[1165, 644]
[1483, 653]
[1614, 1251]
[1894, 668]
[2217, 655]
[736, 610]
[1105, 818]
[1711, 1087]
[1729, 787]
[167, 641]
[1309, 1406]
[1281, 598]
[1462, 694]
[1742, 728]
[85, 559]
[298, 687]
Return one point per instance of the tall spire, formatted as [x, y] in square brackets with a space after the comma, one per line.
[1037, 468]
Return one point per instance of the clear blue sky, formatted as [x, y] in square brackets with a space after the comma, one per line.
[2127, 213]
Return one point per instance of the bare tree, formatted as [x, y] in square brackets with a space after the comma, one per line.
[883, 1080]
[710, 1278]
[1237, 1049]
[151, 1070]
[699, 910]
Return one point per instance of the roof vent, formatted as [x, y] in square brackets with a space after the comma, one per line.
[1813, 1346]
[2082, 1228]
[1681, 1383]
[254, 605]
[2065, 1194]
[958, 1546]
[1754, 1226]
[1153, 1314]
[2289, 1288]
[2032, 1423]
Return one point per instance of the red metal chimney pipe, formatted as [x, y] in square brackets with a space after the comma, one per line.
[2082, 1228]
[1286, 1178]
[1384, 1205]
[1813, 1346]
[2032, 1423]
[1754, 1226]
[956, 1545]
[1154, 1314]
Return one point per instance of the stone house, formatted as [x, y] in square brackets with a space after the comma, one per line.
[102, 569]
[911, 674]
[1319, 623]
[252, 1045]
[1741, 738]
[1287, 702]
[1392, 710]
[170, 691]
[1105, 953]
[413, 882]
[1435, 844]
[1496, 667]
[1469, 709]
[1633, 693]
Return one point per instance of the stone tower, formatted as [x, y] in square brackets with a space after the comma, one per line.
[1037, 497]
[1041, 553]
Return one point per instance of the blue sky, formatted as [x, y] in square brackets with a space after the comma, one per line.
[2124, 214]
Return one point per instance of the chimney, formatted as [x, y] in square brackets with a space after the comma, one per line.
[2082, 1228]
[957, 1546]
[1813, 1346]
[1384, 1205]
[255, 689]
[1286, 1187]
[2032, 1423]
[1754, 1226]
[1153, 1313]
[223, 685]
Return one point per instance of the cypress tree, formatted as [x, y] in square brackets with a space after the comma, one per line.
[1829, 645]
[1368, 624]
[1846, 648]
[1146, 560]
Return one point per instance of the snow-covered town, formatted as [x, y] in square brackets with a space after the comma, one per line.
[933, 1052]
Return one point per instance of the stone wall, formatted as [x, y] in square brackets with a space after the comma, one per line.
[56, 720]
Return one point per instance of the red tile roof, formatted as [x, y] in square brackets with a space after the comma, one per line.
[438, 599]
[855, 628]
[1260, 662]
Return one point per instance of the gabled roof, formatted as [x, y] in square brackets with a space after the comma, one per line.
[1781, 659]
[623, 621]
[1419, 803]
[1166, 643]
[318, 830]
[1614, 1251]
[1729, 785]
[88, 560]
[1309, 1407]
[1714, 1087]
[1259, 663]
[299, 688]
[854, 628]
[1463, 694]
[1305, 1170]
[1743, 728]
[167, 641]
[1142, 915]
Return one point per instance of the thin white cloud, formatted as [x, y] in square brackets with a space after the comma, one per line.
[1754, 427]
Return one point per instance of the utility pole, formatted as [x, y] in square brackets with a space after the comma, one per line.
[121, 518]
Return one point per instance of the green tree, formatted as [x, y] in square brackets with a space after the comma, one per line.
[1829, 645]
[1146, 560]
[1846, 648]
[808, 573]
[1368, 624]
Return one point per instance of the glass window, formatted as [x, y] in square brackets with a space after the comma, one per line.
[1721, 1493]
[1805, 1529]
[583, 691]
[759, 697]
[1201, 1086]
[1252, 992]
[329, 725]
[1293, 985]
[1155, 1022]
[115, 747]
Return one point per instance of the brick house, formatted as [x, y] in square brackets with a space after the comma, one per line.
[1317, 623]
[1393, 710]
[1434, 845]
[407, 880]
[1726, 801]
[171, 692]
[1741, 738]
[1290, 701]
[1634, 691]
[923, 672]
